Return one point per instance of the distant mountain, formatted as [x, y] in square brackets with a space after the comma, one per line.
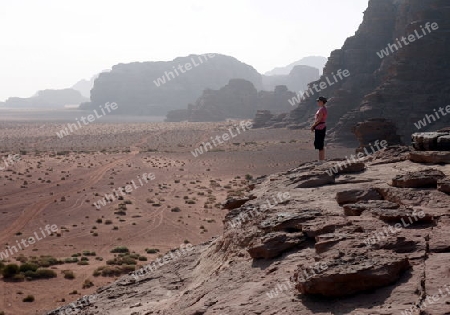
[312, 61]
[297, 80]
[47, 99]
[155, 88]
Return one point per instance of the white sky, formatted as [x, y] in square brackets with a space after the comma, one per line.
[55, 43]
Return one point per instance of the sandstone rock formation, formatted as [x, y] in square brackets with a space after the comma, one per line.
[239, 99]
[405, 86]
[385, 249]
[154, 88]
[372, 130]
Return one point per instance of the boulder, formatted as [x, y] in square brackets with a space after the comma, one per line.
[431, 141]
[376, 129]
[420, 179]
[353, 272]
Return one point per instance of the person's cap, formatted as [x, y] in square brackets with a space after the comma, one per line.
[323, 99]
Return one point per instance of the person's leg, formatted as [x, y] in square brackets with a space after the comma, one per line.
[322, 144]
[322, 154]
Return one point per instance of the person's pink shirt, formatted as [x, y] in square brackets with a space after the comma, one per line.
[322, 114]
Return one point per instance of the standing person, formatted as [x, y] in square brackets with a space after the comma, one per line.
[320, 128]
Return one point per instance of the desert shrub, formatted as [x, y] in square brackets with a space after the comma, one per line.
[29, 298]
[83, 263]
[40, 274]
[18, 277]
[45, 261]
[120, 249]
[25, 267]
[152, 250]
[71, 260]
[10, 270]
[87, 284]
[68, 274]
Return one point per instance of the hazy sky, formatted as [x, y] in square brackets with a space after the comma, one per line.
[55, 43]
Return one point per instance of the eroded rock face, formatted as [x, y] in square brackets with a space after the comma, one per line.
[373, 130]
[353, 272]
[381, 87]
[419, 179]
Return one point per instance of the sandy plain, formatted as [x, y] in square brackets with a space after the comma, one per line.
[56, 181]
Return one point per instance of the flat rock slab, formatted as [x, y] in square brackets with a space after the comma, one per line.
[274, 244]
[355, 195]
[289, 222]
[353, 272]
[356, 209]
[430, 157]
[342, 167]
[420, 179]
[405, 216]
[313, 179]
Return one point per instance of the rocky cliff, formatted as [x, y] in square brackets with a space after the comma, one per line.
[239, 99]
[364, 236]
[157, 87]
[396, 71]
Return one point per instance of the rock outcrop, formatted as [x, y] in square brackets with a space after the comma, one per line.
[239, 99]
[383, 248]
[402, 83]
[431, 141]
[154, 88]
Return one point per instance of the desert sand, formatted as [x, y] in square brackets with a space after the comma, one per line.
[56, 181]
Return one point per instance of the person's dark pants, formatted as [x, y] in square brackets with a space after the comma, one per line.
[319, 140]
